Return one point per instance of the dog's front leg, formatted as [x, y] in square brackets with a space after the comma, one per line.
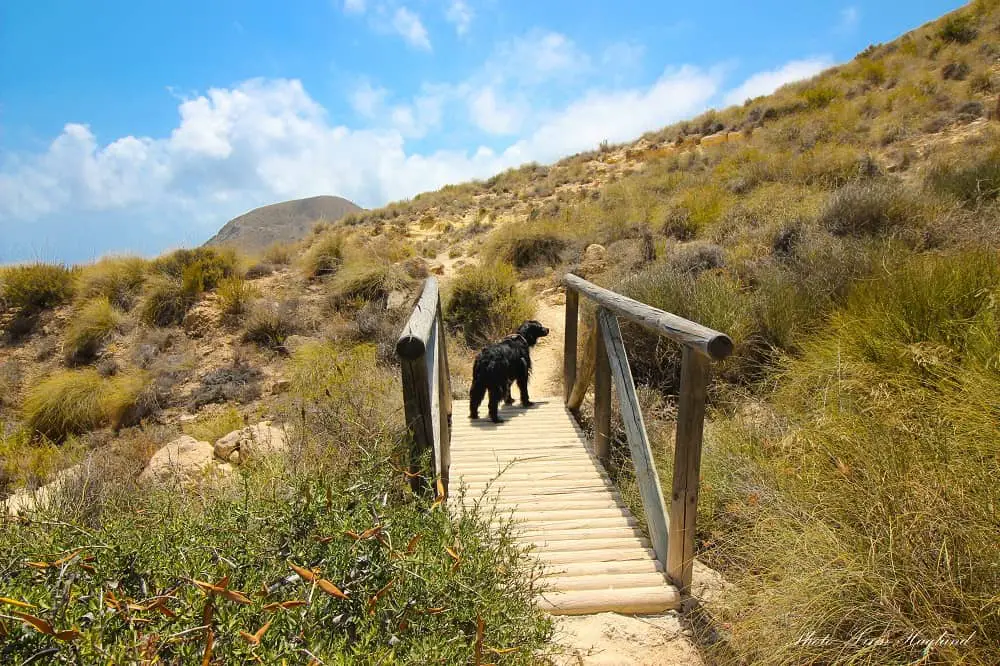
[522, 387]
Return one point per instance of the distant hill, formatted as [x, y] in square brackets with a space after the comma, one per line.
[281, 222]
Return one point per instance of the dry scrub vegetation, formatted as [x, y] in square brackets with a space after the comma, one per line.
[844, 231]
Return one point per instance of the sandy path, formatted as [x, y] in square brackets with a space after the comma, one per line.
[546, 357]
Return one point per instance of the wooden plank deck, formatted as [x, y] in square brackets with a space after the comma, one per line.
[539, 465]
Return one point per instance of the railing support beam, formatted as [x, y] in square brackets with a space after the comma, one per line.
[695, 370]
[570, 343]
[602, 394]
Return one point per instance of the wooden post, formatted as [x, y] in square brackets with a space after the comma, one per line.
[602, 394]
[635, 430]
[695, 370]
[570, 343]
[444, 403]
[416, 406]
[416, 347]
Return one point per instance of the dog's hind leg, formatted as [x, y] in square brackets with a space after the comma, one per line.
[476, 394]
[496, 394]
[508, 399]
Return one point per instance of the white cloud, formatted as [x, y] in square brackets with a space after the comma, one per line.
[764, 83]
[493, 116]
[460, 14]
[267, 140]
[354, 6]
[410, 28]
[849, 18]
[367, 100]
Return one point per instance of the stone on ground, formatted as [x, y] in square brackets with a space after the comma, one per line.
[185, 460]
[253, 441]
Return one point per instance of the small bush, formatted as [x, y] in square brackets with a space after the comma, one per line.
[235, 295]
[118, 279]
[712, 299]
[325, 255]
[866, 209]
[237, 383]
[213, 426]
[279, 254]
[91, 326]
[959, 28]
[696, 257]
[76, 401]
[527, 244]
[972, 183]
[34, 287]
[198, 269]
[485, 304]
[165, 302]
[257, 271]
[819, 96]
[369, 281]
[269, 325]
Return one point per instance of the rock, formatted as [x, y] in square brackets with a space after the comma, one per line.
[24, 500]
[436, 267]
[396, 300]
[595, 252]
[595, 260]
[234, 458]
[185, 460]
[253, 441]
[201, 320]
[416, 267]
[281, 386]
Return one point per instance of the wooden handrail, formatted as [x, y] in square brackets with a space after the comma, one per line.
[423, 355]
[713, 344]
[672, 534]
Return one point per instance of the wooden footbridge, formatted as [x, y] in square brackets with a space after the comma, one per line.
[540, 467]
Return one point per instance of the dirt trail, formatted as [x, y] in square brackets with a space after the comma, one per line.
[546, 357]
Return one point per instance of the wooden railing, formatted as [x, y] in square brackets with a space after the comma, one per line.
[672, 534]
[427, 385]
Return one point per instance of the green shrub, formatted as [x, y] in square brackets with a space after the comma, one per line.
[235, 295]
[819, 95]
[973, 182]
[859, 502]
[118, 279]
[867, 209]
[199, 269]
[325, 255]
[92, 325]
[959, 27]
[485, 304]
[165, 302]
[367, 281]
[269, 325]
[524, 245]
[213, 426]
[278, 253]
[408, 601]
[34, 287]
[710, 298]
[76, 401]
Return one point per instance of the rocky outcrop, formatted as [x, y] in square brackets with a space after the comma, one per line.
[184, 461]
[595, 260]
[253, 441]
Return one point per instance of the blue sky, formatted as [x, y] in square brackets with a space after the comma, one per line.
[138, 126]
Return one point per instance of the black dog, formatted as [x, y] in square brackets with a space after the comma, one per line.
[502, 363]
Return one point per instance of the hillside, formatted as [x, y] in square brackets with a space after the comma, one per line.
[844, 231]
[284, 222]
